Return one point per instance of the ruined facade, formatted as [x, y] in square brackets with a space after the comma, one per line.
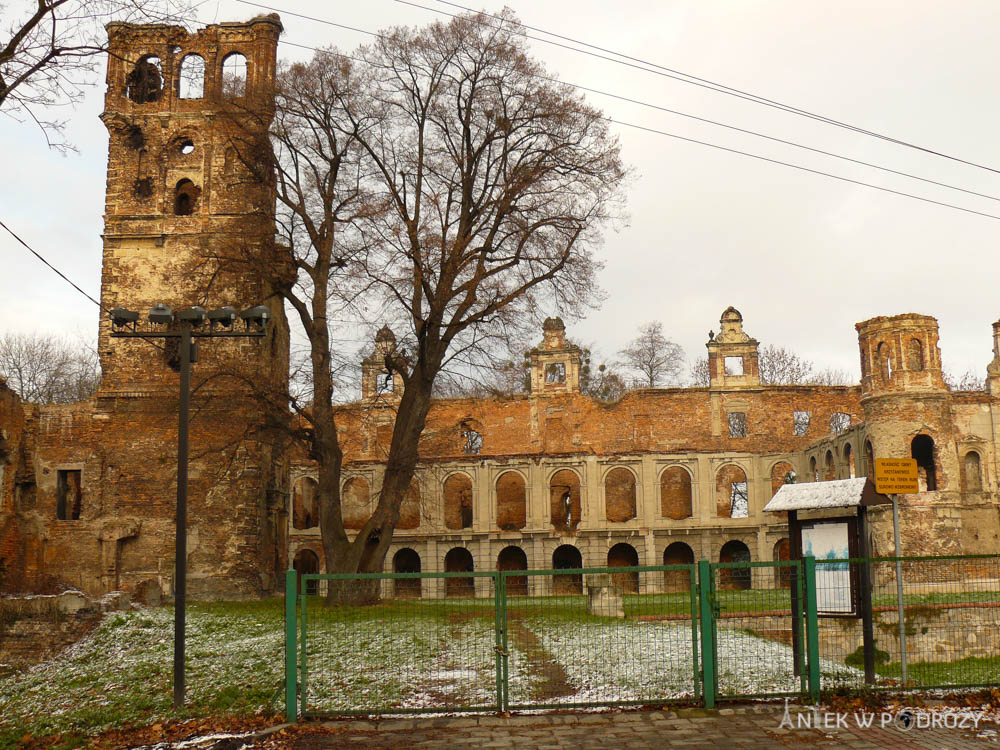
[546, 479]
[555, 479]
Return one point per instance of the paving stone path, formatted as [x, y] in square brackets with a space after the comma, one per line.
[753, 728]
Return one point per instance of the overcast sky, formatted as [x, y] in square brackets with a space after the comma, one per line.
[802, 256]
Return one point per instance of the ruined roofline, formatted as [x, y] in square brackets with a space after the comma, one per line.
[270, 18]
[881, 320]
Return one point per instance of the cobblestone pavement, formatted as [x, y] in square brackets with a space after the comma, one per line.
[754, 728]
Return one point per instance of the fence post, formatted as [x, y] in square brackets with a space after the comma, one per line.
[707, 631]
[500, 613]
[812, 628]
[291, 661]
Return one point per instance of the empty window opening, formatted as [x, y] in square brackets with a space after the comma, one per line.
[306, 562]
[305, 510]
[459, 560]
[185, 198]
[623, 555]
[186, 146]
[731, 499]
[567, 557]
[69, 494]
[409, 511]
[675, 581]
[800, 422]
[884, 362]
[355, 503]
[234, 76]
[564, 492]
[675, 494]
[813, 470]
[619, 495]
[191, 82]
[513, 558]
[922, 449]
[782, 473]
[511, 504]
[839, 422]
[144, 83]
[384, 382]
[406, 561]
[458, 502]
[849, 460]
[473, 442]
[555, 373]
[972, 471]
[869, 459]
[734, 365]
[831, 468]
[737, 424]
[914, 355]
[735, 577]
[782, 553]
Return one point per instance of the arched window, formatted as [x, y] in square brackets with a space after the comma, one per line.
[849, 460]
[513, 558]
[884, 362]
[831, 469]
[922, 449]
[567, 557]
[409, 511]
[735, 577]
[234, 76]
[459, 560]
[144, 83]
[406, 561]
[675, 493]
[782, 473]
[355, 499]
[185, 198]
[564, 492]
[619, 495]
[731, 497]
[813, 470]
[972, 470]
[869, 459]
[305, 512]
[511, 505]
[782, 552]
[914, 355]
[624, 556]
[191, 82]
[458, 502]
[674, 581]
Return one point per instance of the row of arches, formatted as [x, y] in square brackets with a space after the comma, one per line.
[565, 557]
[145, 83]
[912, 359]
[620, 496]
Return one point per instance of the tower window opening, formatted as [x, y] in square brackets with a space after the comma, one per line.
[185, 197]
[914, 355]
[234, 76]
[922, 449]
[734, 365]
[555, 373]
[191, 83]
[144, 83]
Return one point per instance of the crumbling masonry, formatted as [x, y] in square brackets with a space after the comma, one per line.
[549, 478]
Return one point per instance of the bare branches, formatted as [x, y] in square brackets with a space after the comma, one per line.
[652, 358]
[50, 51]
[47, 369]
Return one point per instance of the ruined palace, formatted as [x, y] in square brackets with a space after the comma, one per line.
[550, 478]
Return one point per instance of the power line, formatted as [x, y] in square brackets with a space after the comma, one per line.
[700, 82]
[726, 148]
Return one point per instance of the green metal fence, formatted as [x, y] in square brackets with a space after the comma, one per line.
[528, 639]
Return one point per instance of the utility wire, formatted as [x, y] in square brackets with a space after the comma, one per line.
[700, 82]
[719, 147]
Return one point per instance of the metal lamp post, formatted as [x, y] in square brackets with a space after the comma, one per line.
[183, 326]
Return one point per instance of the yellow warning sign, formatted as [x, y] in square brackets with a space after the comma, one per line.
[896, 476]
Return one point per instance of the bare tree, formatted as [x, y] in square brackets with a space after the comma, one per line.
[699, 374]
[50, 51]
[652, 357]
[967, 381]
[443, 185]
[47, 369]
[781, 366]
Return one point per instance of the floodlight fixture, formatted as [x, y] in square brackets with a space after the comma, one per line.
[161, 314]
[195, 316]
[257, 316]
[224, 316]
[120, 317]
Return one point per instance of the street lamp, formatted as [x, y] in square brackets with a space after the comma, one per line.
[184, 325]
